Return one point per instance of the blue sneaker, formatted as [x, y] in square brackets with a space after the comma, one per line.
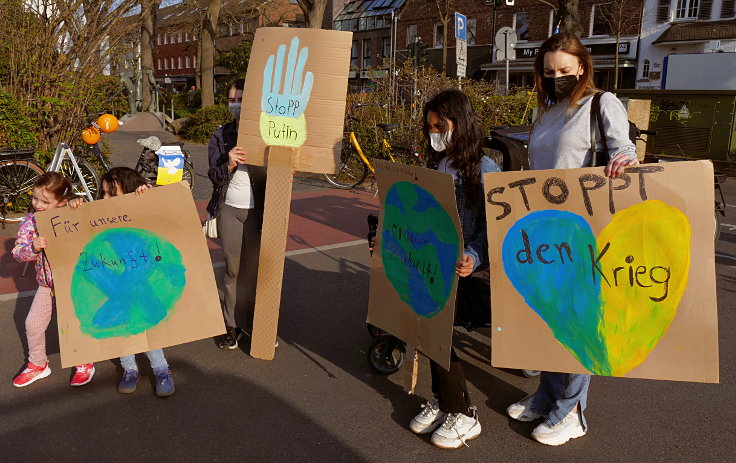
[128, 382]
[164, 384]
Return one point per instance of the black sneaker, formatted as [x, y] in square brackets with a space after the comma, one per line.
[229, 340]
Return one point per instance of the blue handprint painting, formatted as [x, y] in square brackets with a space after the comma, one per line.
[282, 117]
[294, 96]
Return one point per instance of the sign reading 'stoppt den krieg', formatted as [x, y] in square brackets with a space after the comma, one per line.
[418, 243]
[612, 277]
[131, 274]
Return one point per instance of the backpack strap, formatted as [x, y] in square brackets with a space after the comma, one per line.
[596, 120]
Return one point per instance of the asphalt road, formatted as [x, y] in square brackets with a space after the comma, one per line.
[319, 401]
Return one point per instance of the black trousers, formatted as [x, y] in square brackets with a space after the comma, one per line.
[450, 387]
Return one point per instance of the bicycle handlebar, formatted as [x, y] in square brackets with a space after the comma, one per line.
[647, 132]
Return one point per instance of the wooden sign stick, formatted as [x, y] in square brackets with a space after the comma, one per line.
[281, 162]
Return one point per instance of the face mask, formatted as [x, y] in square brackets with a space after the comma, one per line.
[234, 109]
[559, 88]
[439, 141]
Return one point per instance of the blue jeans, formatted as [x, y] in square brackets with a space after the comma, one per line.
[558, 394]
[156, 357]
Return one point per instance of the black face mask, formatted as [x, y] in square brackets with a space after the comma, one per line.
[559, 88]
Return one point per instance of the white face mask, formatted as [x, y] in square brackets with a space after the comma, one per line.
[440, 141]
[234, 109]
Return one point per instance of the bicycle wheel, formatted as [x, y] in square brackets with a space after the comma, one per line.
[188, 175]
[148, 169]
[351, 171]
[16, 189]
[89, 176]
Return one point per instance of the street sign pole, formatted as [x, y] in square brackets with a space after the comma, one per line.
[506, 52]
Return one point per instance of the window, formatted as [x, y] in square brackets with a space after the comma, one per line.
[180, 62]
[173, 66]
[599, 24]
[166, 63]
[521, 26]
[380, 23]
[386, 47]
[366, 53]
[645, 69]
[687, 9]
[187, 62]
[355, 55]
[362, 24]
[439, 30]
[241, 27]
[180, 36]
[186, 36]
[166, 40]
[158, 39]
[370, 23]
[194, 36]
[471, 31]
[194, 61]
[158, 64]
[411, 33]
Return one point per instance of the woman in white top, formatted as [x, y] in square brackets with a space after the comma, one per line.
[562, 139]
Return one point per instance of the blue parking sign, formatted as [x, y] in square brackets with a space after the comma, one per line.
[461, 26]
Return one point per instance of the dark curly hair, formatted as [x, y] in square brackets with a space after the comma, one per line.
[466, 143]
[127, 178]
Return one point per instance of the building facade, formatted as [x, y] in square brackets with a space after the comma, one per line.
[688, 45]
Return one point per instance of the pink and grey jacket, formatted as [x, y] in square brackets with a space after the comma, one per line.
[23, 251]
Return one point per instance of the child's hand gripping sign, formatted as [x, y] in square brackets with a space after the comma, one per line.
[282, 117]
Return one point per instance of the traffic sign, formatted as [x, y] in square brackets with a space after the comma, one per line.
[461, 26]
[461, 56]
[505, 36]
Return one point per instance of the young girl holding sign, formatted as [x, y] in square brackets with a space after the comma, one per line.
[50, 191]
[562, 138]
[455, 144]
[117, 182]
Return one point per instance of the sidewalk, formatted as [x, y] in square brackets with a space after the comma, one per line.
[318, 218]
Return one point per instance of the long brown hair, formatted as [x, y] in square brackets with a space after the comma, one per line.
[569, 43]
[125, 177]
[465, 147]
[56, 184]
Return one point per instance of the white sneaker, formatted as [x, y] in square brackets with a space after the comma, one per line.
[522, 410]
[569, 428]
[456, 430]
[429, 418]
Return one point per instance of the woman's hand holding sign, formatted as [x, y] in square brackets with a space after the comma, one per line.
[282, 121]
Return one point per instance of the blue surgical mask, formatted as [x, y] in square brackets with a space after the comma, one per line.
[440, 140]
[234, 109]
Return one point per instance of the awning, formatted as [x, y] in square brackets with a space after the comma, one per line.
[698, 31]
[528, 65]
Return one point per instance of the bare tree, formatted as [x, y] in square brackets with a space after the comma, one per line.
[58, 52]
[569, 16]
[148, 30]
[207, 51]
[445, 13]
[314, 12]
[622, 17]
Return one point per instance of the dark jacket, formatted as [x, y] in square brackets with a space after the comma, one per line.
[224, 139]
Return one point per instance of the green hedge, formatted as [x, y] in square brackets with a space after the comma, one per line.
[16, 128]
[202, 124]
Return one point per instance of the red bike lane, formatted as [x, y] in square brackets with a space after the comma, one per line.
[318, 218]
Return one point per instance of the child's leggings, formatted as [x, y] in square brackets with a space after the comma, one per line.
[36, 323]
[156, 357]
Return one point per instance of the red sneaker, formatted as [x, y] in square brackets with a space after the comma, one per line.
[83, 375]
[30, 374]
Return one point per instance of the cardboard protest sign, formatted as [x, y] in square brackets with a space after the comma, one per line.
[612, 277]
[131, 274]
[418, 243]
[292, 119]
[295, 94]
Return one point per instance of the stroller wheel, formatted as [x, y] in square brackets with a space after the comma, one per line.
[530, 373]
[386, 354]
[374, 330]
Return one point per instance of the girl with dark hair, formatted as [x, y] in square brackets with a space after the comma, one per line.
[238, 193]
[50, 191]
[562, 138]
[119, 181]
[454, 145]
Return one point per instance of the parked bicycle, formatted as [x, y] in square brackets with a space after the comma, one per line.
[18, 172]
[355, 166]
